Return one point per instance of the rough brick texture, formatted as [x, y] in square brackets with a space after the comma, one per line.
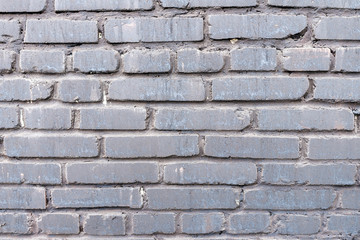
[179, 119]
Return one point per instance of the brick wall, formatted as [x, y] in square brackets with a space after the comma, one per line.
[179, 119]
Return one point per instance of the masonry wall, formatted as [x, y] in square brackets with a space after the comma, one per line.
[179, 119]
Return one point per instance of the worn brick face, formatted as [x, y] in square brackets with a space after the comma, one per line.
[179, 119]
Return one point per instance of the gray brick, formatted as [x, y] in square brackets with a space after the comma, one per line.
[9, 30]
[50, 146]
[350, 199]
[147, 61]
[96, 60]
[253, 59]
[113, 118]
[102, 173]
[337, 28]
[291, 224]
[259, 88]
[9, 117]
[347, 59]
[337, 89]
[348, 224]
[24, 90]
[289, 199]
[352, 4]
[60, 31]
[42, 61]
[30, 173]
[59, 223]
[320, 174]
[201, 119]
[79, 90]
[192, 60]
[252, 147]
[334, 148]
[241, 173]
[202, 223]
[47, 118]
[133, 146]
[94, 5]
[192, 198]
[153, 29]
[206, 3]
[249, 222]
[157, 89]
[105, 224]
[153, 223]
[7, 61]
[21, 6]
[227, 26]
[96, 197]
[306, 119]
[306, 59]
[22, 198]
[14, 223]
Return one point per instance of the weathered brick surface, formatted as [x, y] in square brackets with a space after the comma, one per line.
[210, 173]
[103, 118]
[193, 119]
[124, 172]
[289, 199]
[96, 197]
[79, 90]
[150, 223]
[305, 119]
[192, 198]
[93, 5]
[253, 59]
[333, 148]
[9, 30]
[291, 224]
[337, 89]
[7, 61]
[147, 61]
[351, 4]
[179, 119]
[153, 29]
[339, 28]
[47, 118]
[60, 31]
[50, 146]
[249, 222]
[30, 173]
[202, 223]
[151, 146]
[252, 147]
[257, 89]
[157, 89]
[96, 60]
[205, 3]
[10, 117]
[42, 61]
[267, 26]
[59, 223]
[307, 59]
[192, 60]
[21, 6]
[105, 224]
[17, 223]
[320, 174]
[346, 60]
[24, 90]
[22, 198]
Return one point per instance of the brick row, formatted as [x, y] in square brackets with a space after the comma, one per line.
[188, 60]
